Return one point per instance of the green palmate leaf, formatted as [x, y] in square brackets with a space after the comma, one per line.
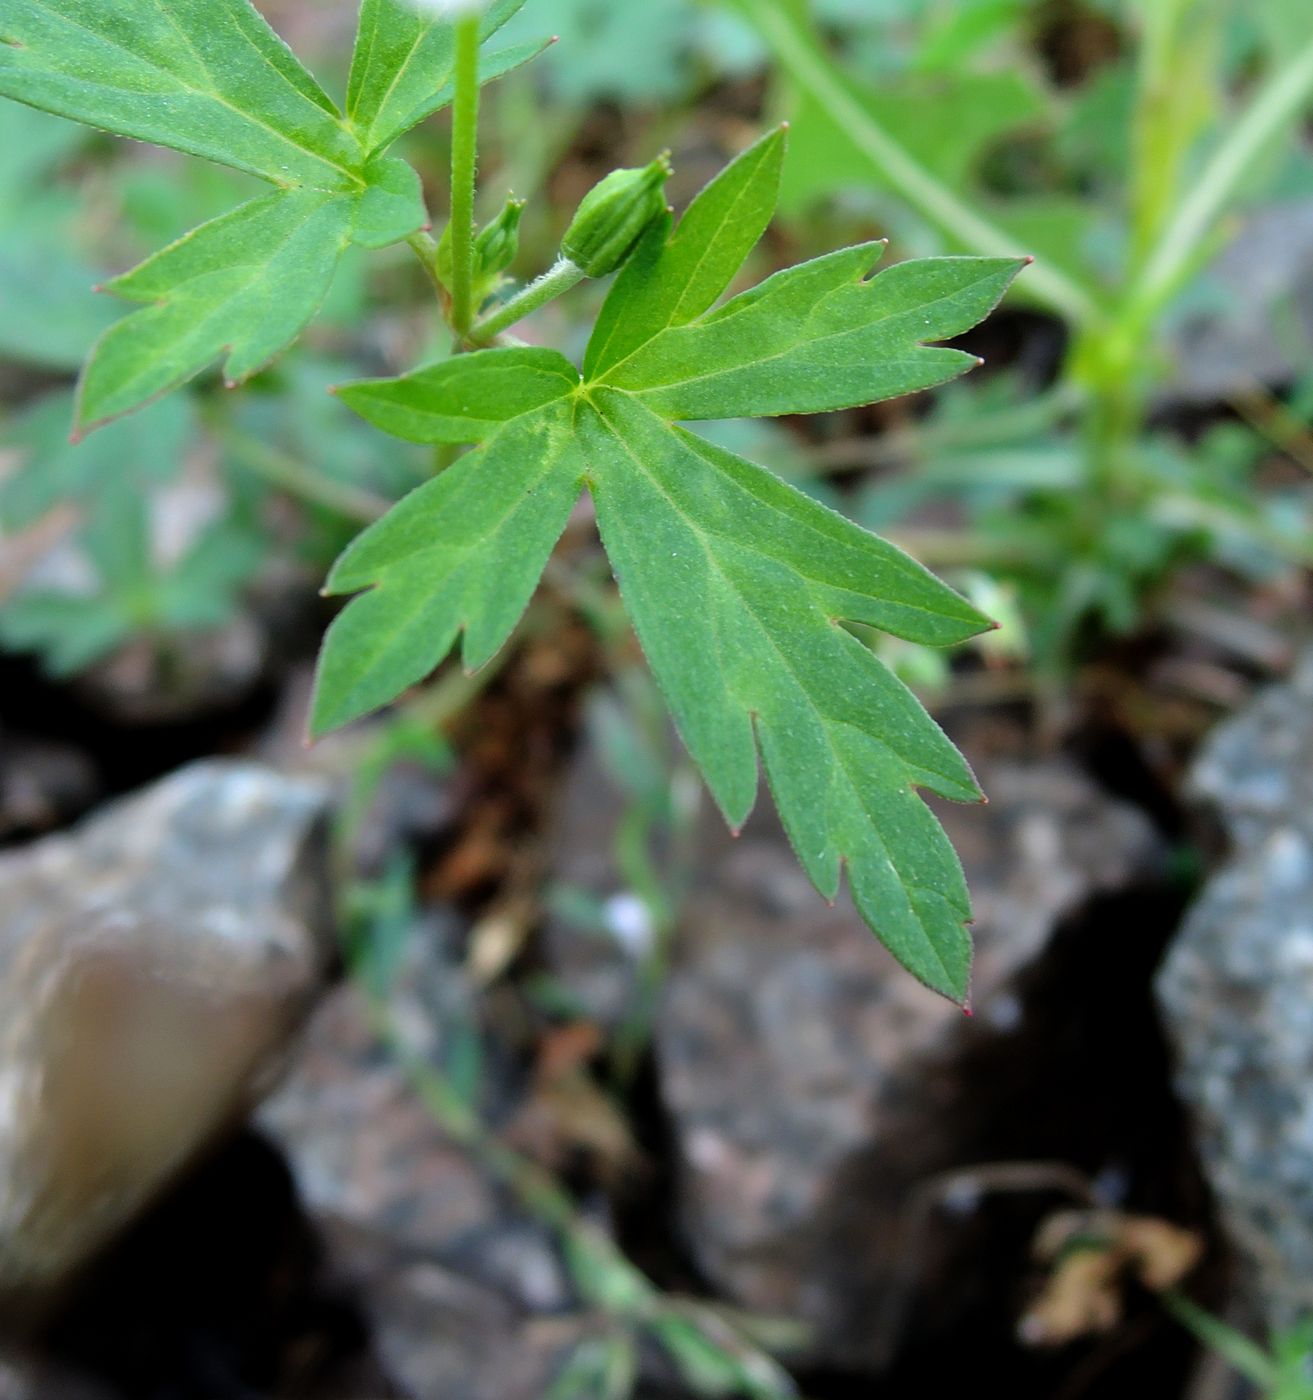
[204, 76]
[734, 581]
[465, 399]
[674, 278]
[464, 552]
[211, 78]
[243, 286]
[402, 66]
[737, 583]
[818, 337]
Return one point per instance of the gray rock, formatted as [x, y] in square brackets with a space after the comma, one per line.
[439, 1333]
[368, 1153]
[809, 1078]
[1237, 993]
[41, 784]
[463, 1288]
[154, 965]
[1253, 320]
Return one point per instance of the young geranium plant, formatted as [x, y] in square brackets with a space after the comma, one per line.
[738, 585]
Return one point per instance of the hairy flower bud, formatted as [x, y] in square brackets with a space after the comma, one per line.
[498, 242]
[614, 215]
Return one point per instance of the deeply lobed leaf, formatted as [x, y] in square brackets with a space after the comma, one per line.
[675, 277]
[734, 582]
[211, 78]
[402, 65]
[464, 552]
[738, 585]
[208, 77]
[818, 337]
[243, 286]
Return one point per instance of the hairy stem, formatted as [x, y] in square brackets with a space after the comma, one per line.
[557, 279]
[464, 153]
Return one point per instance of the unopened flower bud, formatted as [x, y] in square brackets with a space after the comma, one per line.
[497, 243]
[614, 215]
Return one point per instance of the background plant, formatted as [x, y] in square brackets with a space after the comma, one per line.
[1122, 186]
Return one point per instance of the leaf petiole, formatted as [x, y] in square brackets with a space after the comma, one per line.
[425, 248]
[559, 278]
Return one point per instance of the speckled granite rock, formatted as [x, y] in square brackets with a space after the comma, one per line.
[811, 1081]
[1237, 994]
[153, 967]
[466, 1292]
[367, 1152]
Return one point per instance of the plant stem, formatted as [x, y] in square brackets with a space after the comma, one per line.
[1170, 83]
[464, 154]
[817, 76]
[1278, 102]
[560, 277]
